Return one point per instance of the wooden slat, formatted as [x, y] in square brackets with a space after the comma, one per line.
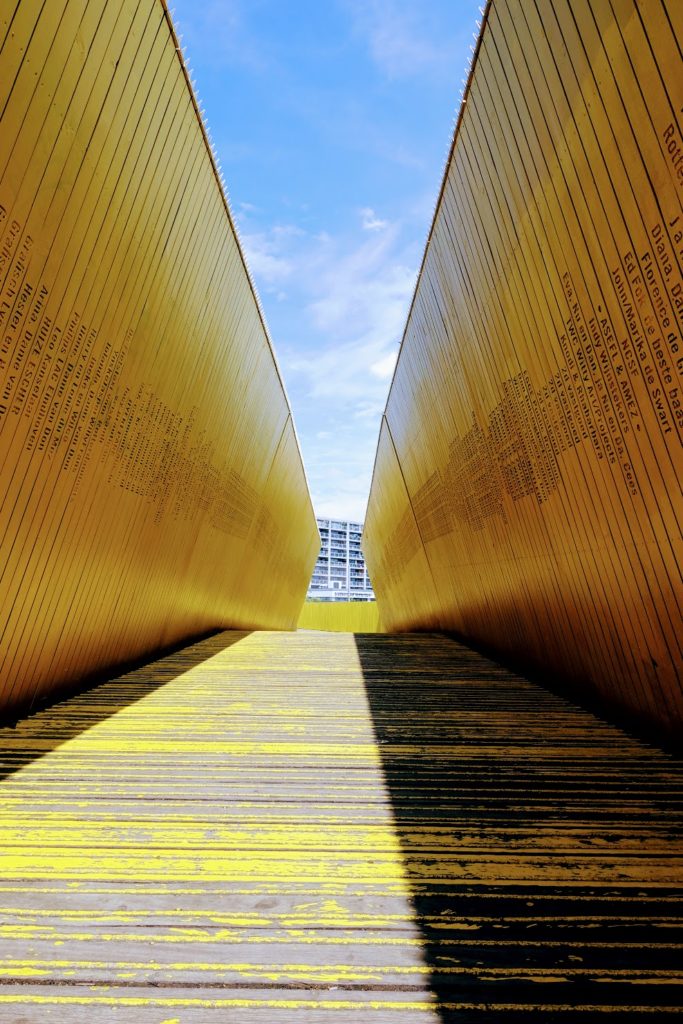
[340, 616]
[527, 492]
[376, 827]
[151, 487]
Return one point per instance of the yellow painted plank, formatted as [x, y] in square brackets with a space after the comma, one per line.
[152, 487]
[340, 616]
[526, 492]
[380, 826]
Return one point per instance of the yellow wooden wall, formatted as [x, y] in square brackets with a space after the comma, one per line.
[527, 486]
[151, 483]
[340, 616]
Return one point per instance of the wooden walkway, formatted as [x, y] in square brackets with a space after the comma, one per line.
[316, 828]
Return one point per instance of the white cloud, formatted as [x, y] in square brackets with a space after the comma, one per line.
[353, 290]
[344, 374]
[340, 487]
[403, 38]
[265, 259]
[359, 309]
[361, 289]
[343, 504]
[354, 295]
[272, 254]
[384, 368]
[370, 221]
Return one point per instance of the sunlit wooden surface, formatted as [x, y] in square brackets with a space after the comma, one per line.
[527, 490]
[386, 829]
[151, 486]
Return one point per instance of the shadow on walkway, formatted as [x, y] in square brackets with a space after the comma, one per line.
[73, 713]
[539, 842]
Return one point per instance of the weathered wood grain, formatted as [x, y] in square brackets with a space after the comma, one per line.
[151, 486]
[527, 485]
[383, 828]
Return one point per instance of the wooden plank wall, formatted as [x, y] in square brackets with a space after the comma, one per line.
[151, 483]
[340, 616]
[527, 485]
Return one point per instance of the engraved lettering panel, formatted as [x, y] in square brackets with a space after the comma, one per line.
[142, 416]
[536, 409]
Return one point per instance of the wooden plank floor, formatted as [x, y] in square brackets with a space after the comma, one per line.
[317, 828]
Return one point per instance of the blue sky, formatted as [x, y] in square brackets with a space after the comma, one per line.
[332, 120]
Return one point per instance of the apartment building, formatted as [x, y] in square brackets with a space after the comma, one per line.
[340, 573]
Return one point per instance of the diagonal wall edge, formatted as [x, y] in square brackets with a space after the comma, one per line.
[152, 486]
[530, 498]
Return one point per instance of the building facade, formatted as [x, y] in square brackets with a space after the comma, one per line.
[340, 573]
